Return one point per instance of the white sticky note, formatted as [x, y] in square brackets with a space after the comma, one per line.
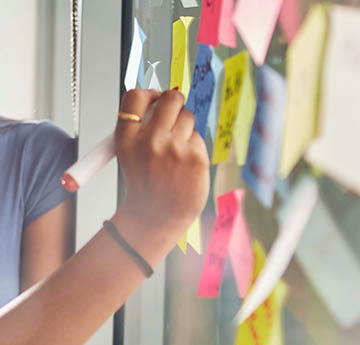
[299, 211]
[151, 80]
[331, 266]
[189, 3]
[135, 57]
[336, 150]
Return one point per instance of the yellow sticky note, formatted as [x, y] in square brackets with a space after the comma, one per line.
[194, 236]
[264, 326]
[182, 243]
[304, 67]
[245, 116]
[180, 66]
[235, 68]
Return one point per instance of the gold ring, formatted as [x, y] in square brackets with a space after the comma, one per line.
[129, 117]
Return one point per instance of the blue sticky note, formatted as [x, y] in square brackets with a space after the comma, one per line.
[261, 166]
[202, 89]
[217, 67]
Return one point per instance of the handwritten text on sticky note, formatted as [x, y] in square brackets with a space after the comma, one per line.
[245, 116]
[235, 68]
[202, 89]
[211, 276]
[261, 166]
[264, 325]
[180, 67]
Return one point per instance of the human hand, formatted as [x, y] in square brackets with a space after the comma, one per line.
[164, 161]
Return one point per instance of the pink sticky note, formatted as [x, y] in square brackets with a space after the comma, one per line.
[255, 21]
[241, 255]
[290, 18]
[227, 32]
[213, 269]
[209, 22]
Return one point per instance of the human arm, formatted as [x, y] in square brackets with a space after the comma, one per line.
[165, 165]
[47, 243]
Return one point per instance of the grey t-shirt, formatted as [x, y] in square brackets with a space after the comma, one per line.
[33, 158]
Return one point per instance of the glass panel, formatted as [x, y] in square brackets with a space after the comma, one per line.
[190, 320]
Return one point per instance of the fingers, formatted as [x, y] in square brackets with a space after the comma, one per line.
[184, 125]
[136, 102]
[166, 111]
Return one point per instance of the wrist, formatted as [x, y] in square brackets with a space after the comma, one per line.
[151, 241]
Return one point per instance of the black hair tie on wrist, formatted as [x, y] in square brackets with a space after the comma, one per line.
[141, 262]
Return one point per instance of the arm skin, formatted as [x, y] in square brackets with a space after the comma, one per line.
[70, 305]
[47, 243]
[166, 169]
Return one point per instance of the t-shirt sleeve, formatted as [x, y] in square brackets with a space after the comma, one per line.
[49, 151]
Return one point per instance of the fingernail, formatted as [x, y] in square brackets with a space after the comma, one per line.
[176, 88]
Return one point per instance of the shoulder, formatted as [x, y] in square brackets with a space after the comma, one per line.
[43, 132]
[43, 138]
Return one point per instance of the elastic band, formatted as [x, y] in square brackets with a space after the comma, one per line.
[141, 262]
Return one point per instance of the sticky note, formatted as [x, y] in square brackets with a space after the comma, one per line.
[194, 236]
[151, 80]
[290, 18]
[213, 269]
[180, 66]
[261, 166]
[189, 3]
[304, 65]
[217, 67]
[235, 68]
[182, 243]
[298, 213]
[245, 116]
[241, 253]
[264, 326]
[255, 21]
[202, 89]
[134, 63]
[227, 31]
[336, 149]
[209, 22]
[331, 266]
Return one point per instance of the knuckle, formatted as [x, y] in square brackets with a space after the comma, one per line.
[133, 96]
[189, 115]
[199, 157]
[174, 96]
[176, 151]
[154, 146]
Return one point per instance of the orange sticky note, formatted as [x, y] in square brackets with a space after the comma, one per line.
[227, 31]
[213, 269]
[255, 21]
[290, 18]
[209, 22]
